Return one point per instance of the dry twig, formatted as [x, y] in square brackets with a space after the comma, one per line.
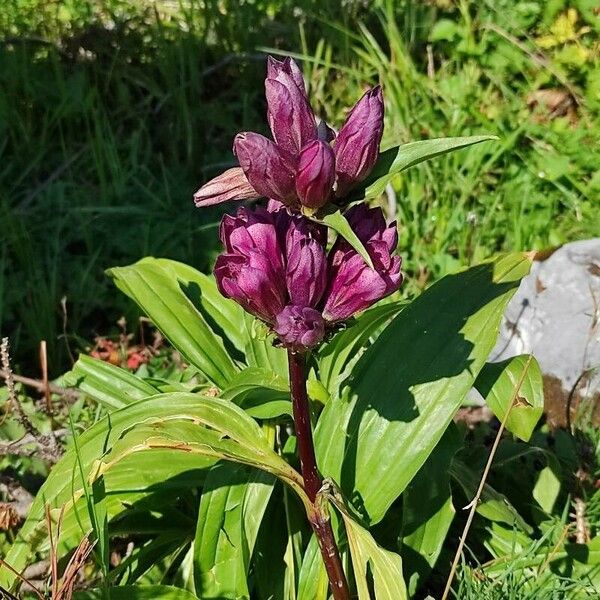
[474, 503]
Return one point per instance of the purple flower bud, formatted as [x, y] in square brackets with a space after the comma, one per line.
[357, 144]
[252, 282]
[230, 185]
[251, 271]
[306, 270]
[299, 327]
[316, 174]
[353, 286]
[252, 230]
[288, 66]
[268, 169]
[289, 113]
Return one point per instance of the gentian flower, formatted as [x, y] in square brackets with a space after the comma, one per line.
[352, 284]
[276, 266]
[300, 167]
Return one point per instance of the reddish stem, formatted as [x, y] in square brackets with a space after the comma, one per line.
[312, 480]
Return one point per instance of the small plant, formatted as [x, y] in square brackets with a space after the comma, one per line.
[306, 448]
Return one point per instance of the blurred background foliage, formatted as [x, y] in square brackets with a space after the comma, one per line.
[113, 112]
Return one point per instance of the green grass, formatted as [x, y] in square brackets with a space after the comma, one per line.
[113, 113]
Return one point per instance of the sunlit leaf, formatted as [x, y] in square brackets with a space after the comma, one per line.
[112, 386]
[337, 356]
[260, 392]
[133, 592]
[338, 222]
[407, 386]
[398, 159]
[370, 561]
[313, 583]
[231, 508]
[517, 382]
[175, 306]
[159, 443]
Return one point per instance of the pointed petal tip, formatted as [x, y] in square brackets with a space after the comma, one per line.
[229, 185]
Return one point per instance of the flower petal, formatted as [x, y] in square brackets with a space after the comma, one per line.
[268, 169]
[316, 174]
[229, 185]
[289, 113]
[357, 144]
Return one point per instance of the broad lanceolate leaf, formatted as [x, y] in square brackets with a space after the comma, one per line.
[233, 502]
[179, 433]
[136, 592]
[132, 479]
[516, 381]
[408, 385]
[259, 348]
[427, 511]
[548, 484]
[398, 159]
[369, 560]
[338, 222]
[336, 357]
[260, 392]
[173, 296]
[112, 386]
[220, 430]
[313, 583]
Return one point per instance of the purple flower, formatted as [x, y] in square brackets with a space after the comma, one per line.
[276, 266]
[300, 168]
[290, 116]
[306, 268]
[300, 327]
[229, 185]
[315, 175]
[251, 271]
[357, 144]
[268, 168]
[352, 284]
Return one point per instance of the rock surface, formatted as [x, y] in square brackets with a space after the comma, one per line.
[555, 315]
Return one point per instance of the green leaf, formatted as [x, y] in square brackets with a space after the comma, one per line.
[277, 548]
[231, 508]
[427, 511]
[260, 392]
[547, 486]
[154, 444]
[336, 357]
[444, 29]
[369, 560]
[313, 583]
[499, 382]
[146, 557]
[112, 386]
[398, 159]
[174, 306]
[224, 315]
[136, 592]
[406, 388]
[219, 430]
[259, 348]
[493, 505]
[338, 222]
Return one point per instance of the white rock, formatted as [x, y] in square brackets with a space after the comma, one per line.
[555, 315]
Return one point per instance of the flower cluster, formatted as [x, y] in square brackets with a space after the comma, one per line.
[306, 165]
[276, 266]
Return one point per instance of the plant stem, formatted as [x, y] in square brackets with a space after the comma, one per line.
[319, 522]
